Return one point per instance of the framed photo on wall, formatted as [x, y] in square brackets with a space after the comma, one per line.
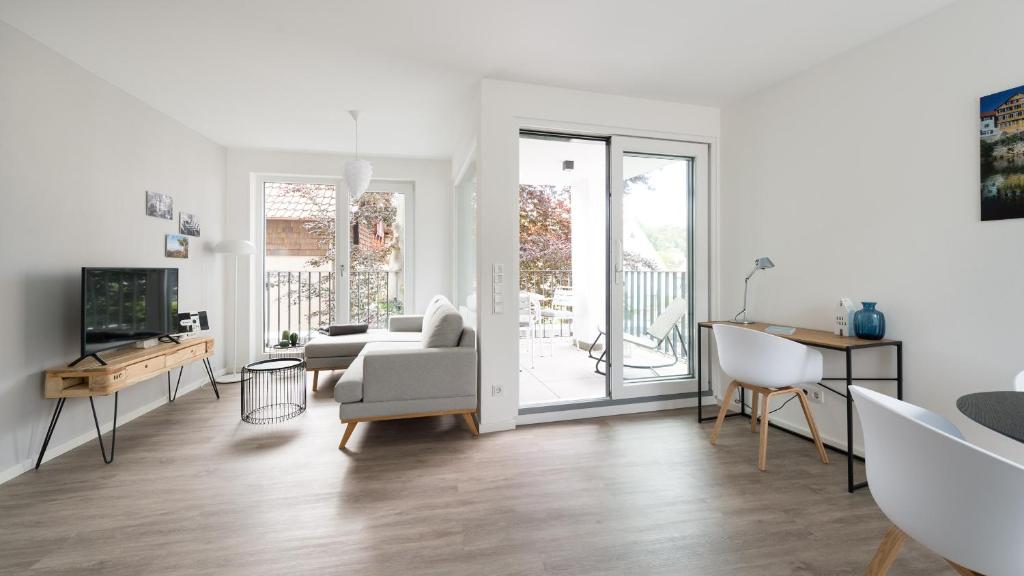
[1002, 154]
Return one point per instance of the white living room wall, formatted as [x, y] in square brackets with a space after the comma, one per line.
[505, 108]
[431, 230]
[76, 158]
[860, 178]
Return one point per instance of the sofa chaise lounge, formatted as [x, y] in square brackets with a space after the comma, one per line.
[422, 366]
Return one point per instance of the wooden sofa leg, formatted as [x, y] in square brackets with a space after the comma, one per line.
[348, 434]
[316, 378]
[887, 551]
[471, 423]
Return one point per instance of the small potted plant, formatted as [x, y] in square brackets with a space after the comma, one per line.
[294, 338]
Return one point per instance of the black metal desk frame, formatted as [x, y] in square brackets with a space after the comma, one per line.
[851, 486]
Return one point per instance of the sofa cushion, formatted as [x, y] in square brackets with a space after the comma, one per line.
[444, 328]
[432, 307]
[350, 345]
[349, 387]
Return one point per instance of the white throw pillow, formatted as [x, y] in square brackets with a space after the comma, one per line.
[444, 328]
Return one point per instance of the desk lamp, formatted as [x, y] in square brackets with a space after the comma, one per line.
[762, 263]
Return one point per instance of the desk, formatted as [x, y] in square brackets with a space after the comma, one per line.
[1000, 411]
[816, 339]
[124, 367]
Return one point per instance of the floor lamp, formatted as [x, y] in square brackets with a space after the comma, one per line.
[234, 248]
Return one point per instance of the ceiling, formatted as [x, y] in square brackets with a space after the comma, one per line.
[282, 73]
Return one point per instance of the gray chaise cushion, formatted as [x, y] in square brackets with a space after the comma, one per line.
[350, 345]
[443, 328]
[349, 387]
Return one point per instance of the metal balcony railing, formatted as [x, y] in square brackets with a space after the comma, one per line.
[645, 295]
[303, 301]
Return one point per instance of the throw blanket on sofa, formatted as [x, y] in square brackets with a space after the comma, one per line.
[343, 329]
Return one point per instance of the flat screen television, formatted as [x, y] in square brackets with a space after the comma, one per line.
[121, 306]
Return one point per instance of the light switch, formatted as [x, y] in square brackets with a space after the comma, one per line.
[498, 308]
[498, 288]
[498, 298]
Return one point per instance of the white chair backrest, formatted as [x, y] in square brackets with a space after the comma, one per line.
[562, 297]
[1018, 382]
[762, 359]
[962, 502]
[663, 324]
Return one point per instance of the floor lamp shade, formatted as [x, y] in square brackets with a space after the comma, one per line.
[235, 247]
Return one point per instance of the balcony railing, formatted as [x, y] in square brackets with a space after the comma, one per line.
[303, 301]
[645, 295]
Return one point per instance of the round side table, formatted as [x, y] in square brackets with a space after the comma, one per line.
[273, 390]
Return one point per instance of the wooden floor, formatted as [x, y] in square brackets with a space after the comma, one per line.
[195, 491]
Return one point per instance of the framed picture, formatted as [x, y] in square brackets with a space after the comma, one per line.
[188, 224]
[159, 205]
[176, 246]
[1002, 155]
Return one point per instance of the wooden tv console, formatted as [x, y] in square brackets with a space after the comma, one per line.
[124, 367]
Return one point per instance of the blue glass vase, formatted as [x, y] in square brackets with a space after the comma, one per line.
[869, 323]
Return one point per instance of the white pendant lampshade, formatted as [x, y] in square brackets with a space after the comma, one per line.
[357, 172]
[357, 177]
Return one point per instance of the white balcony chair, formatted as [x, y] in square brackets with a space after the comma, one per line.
[529, 318]
[961, 502]
[561, 309]
[767, 366]
[666, 324]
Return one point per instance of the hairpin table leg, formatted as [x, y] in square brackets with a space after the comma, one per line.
[113, 431]
[175, 397]
[49, 432]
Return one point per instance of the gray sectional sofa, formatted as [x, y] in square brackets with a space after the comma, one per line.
[421, 366]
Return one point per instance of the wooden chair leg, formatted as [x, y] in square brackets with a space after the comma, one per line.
[754, 397]
[471, 424]
[347, 435]
[960, 569]
[887, 551]
[810, 424]
[726, 400]
[316, 378]
[762, 447]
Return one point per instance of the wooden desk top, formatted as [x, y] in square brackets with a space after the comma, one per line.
[816, 338]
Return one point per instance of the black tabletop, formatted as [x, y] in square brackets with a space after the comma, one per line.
[999, 411]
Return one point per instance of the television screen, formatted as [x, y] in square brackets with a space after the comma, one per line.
[125, 305]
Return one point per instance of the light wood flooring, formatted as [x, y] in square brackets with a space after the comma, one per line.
[195, 491]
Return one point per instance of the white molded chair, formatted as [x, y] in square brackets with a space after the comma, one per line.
[961, 502]
[1018, 382]
[767, 366]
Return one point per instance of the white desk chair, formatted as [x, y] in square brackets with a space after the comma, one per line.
[1018, 382]
[767, 366]
[959, 501]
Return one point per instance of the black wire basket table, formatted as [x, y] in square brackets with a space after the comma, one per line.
[273, 390]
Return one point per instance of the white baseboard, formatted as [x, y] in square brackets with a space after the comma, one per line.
[55, 450]
[501, 426]
[599, 411]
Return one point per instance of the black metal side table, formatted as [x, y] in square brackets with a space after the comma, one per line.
[273, 390]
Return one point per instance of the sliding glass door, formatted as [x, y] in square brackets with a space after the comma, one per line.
[659, 259]
[613, 266]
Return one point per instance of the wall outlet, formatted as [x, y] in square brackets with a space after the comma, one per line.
[496, 390]
[816, 395]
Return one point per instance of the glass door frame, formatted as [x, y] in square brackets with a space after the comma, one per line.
[699, 256]
[341, 214]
